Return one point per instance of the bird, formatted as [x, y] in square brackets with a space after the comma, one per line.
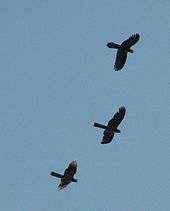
[112, 126]
[123, 49]
[68, 176]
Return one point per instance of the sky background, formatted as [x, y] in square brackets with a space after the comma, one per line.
[57, 78]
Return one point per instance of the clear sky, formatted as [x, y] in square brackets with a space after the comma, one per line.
[57, 78]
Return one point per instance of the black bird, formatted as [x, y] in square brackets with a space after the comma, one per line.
[68, 176]
[112, 125]
[123, 49]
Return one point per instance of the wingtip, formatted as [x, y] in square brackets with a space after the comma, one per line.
[122, 109]
[73, 163]
[137, 35]
[103, 142]
[116, 69]
[108, 44]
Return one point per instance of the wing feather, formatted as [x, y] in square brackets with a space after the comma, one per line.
[132, 40]
[107, 136]
[117, 118]
[121, 57]
[71, 170]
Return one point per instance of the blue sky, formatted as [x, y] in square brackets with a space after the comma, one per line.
[57, 78]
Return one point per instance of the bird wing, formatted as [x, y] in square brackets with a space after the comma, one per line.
[121, 57]
[61, 186]
[117, 118]
[132, 40]
[71, 170]
[107, 136]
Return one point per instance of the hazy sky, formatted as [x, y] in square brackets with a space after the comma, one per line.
[57, 78]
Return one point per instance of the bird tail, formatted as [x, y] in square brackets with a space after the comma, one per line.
[54, 174]
[113, 45]
[99, 125]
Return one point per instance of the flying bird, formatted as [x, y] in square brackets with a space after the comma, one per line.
[112, 126]
[68, 176]
[123, 49]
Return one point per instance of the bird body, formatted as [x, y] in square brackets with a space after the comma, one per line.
[112, 126]
[123, 49]
[68, 176]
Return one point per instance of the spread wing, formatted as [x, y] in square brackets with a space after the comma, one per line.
[68, 175]
[107, 136]
[112, 125]
[117, 118]
[132, 40]
[121, 57]
[71, 170]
